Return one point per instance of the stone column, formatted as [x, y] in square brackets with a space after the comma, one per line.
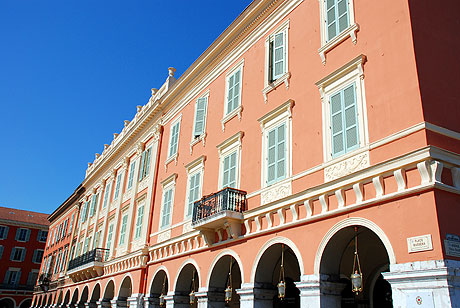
[177, 301]
[118, 303]
[433, 284]
[136, 301]
[210, 298]
[103, 304]
[255, 295]
[151, 301]
[318, 291]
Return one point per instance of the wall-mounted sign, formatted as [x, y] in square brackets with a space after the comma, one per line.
[452, 245]
[419, 243]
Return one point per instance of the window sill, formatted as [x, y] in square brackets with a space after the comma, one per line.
[196, 140]
[349, 32]
[170, 159]
[273, 85]
[231, 115]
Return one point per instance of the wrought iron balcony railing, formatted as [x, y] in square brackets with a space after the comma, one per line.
[95, 255]
[228, 199]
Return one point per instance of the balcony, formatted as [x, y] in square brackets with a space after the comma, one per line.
[221, 210]
[88, 265]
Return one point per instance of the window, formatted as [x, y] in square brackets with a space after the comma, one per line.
[139, 220]
[229, 155]
[117, 187]
[38, 255]
[83, 212]
[337, 24]
[58, 261]
[18, 254]
[3, 232]
[131, 175]
[106, 195]
[22, 235]
[63, 260]
[93, 204]
[86, 245]
[276, 130]
[42, 235]
[12, 277]
[32, 278]
[194, 191]
[200, 117]
[1, 251]
[229, 170]
[124, 222]
[71, 223]
[97, 238]
[344, 119]
[145, 164]
[108, 244]
[174, 139]
[64, 228]
[166, 209]
[233, 99]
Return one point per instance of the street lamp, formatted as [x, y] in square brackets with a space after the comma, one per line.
[357, 275]
[192, 292]
[282, 282]
[229, 290]
[162, 295]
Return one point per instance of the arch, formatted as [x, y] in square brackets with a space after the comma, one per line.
[7, 302]
[225, 272]
[225, 252]
[74, 299]
[50, 300]
[66, 297]
[26, 303]
[184, 264]
[109, 291]
[349, 222]
[59, 299]
[42, 300]
[96, 294]
[84, 295]
[187, 281]
[126, 288]
[159, 269]
[271, 242]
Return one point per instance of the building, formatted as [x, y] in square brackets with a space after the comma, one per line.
[22, 242]
[311, 141]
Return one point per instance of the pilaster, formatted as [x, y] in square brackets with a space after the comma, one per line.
[254, 295]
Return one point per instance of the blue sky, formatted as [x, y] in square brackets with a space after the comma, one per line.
[72, 71]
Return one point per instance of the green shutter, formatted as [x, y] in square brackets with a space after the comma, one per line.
[350, 118]
[233, 97]
[166, 208]
[109, 237]
[174, 139]
[117, 187]
[336, 17]
[276, 154]
[106, 195]
[92, 206]
[147, 163]
[278, 55]
[123, 229]
[140, 218]
[200, 115]
[131, 174]
[141, 169]
[1, 251]
[229, 171]
[194, 191]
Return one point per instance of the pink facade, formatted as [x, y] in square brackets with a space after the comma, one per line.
[308, 131]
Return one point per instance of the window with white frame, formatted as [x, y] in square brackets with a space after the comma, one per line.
[174, 138]
[124, 223]
[22, 235]
[42, 235]
[97, 238]
[63, 259]
[233, 89]
[139, 219]
[344, 116]
[108, 243]
[168, 200]
[58, 261]
[106, 194]
[93, 204]
[145, 164]
[195, 171]
[276, 144]
[199, 126]
[38, 255]
[337, 23]
[83, 213]
[71, 223]
[229, 156]
[18, 254]
[132, 168]
[117, 186]
[32, 278]
[277, 53]
[3, 232]
[64, 228]
[12, 276]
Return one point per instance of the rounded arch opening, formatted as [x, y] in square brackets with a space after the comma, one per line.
[159, 286]
[50, 300]
[125, 289]
[279, 263]
[66, 297]
[96, 295]
[109, 291]
[7, 303]
[42, 300]
[59, 299]
[187, 281]
[74, 297]
[225, 273]
[337, 264]
[84, 295]
[26, 303]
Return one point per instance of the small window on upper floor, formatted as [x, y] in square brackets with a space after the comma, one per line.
[344, 118]
[124, 223]
[145, 164]
[117, 186]
[337, 23]
[18, 254]
[169, 185]
[93, 204]
[276, 59]
[132, 168]
[42, 235]
[174, 140]
[22, 235]
[233, 88]
[139, 219]
[108, 186]
[12, 276]
[229, 157]
[3, 232]
[195, 171]
[38, 255]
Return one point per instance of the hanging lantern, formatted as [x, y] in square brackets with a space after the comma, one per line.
[229, 290]
[357, 275]
[282, 284]
[192, 295]
[162, 296]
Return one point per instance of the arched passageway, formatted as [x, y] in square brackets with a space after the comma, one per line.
[108, 294]
[95, 296]
[277, 264]
[59, 299]
[159, 288]
[83, 297]
[7, 303]
[187, 284]
[66, 299]
[26, 303]
[338, 263]
[50, 300]
[225, 275]
[42, 301]
[124, 292]
[74, 300]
